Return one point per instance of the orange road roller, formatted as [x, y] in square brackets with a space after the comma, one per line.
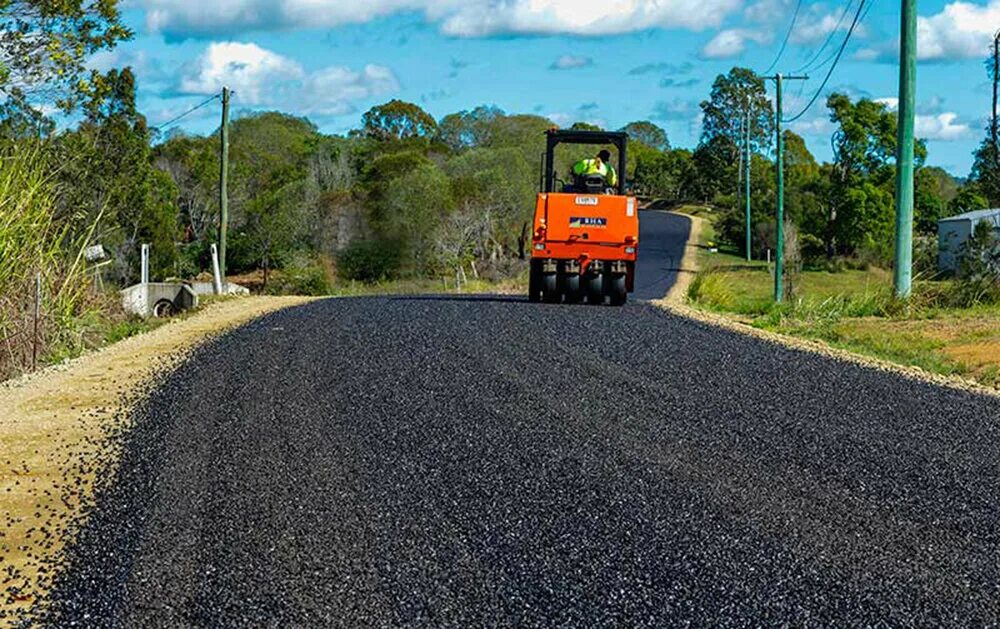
[586, 227]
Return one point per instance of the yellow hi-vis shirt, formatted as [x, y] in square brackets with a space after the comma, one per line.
[596, 166]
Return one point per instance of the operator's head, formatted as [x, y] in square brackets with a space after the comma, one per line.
[605, 156]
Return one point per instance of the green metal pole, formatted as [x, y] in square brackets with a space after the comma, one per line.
[779, 254]
[746, 206]
[904, 154]
[224, 184]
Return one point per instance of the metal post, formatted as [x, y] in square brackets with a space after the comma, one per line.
[216, 273]
[779, 218]
[749, 243]
[904, 155]
[994, 128]
[224, 182]
[144, 272]
[779, 254]
[37, 316]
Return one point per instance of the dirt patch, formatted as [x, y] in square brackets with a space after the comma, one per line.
[976, 355]
[54, 426]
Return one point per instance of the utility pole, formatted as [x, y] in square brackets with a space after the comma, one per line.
[994, 130]
[224, 183]
[904, 150]
[779, 219]
[749, 242]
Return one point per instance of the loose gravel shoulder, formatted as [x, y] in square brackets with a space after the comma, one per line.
[57, 441]
[482, 461]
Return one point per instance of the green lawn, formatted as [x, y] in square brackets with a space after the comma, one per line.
[853, 310]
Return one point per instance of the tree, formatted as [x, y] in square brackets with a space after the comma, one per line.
[986, 171]
[498, 187]
[110, 180]
[468, 129]
[411, 210]
[931, 198]
[733, 96]
[649, 134]
[45, 46]
[717, 167]
[861, 211]
[398, 120]
[968, 199]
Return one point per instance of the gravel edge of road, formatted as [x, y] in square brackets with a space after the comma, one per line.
[689, 263]
[58, 435]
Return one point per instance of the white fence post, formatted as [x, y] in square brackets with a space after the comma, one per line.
[145, 264]
[216, 274]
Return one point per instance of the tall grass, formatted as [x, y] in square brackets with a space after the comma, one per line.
[34, 241]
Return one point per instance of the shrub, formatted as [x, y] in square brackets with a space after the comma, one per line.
[301, 276]
[979, 268]
[709, 288]
[925, 256]
[369, 261]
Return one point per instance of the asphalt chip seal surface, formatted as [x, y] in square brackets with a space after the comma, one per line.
[443, 461]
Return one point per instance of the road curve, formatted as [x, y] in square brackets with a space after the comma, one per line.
[482, 460]
[662, 239]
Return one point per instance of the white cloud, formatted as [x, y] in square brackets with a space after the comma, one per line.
[942, 126]
[815, 25]
[933, 124]
[565, 120]
[459, 18]
[332, 90]
[961, 30]
[819, 127]
[246, 68]
[261, 77]
[731, 43]
[570, 62]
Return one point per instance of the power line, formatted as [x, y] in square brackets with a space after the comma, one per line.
[784, 44]
[186, 113]
[836, 61]
[829, 38]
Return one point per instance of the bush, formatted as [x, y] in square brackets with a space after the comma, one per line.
[709, 288]
[979, 269]
[925, 256]
[370, 261]
[301, 276]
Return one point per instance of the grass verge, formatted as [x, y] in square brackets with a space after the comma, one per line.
[853, 310]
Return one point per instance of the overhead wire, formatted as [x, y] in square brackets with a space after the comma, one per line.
[826, 43]
[836, 61]
[186, 113]
[788, 35]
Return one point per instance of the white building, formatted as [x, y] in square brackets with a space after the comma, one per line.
[955, 230]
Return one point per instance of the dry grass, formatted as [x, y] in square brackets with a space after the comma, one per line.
[53, 426]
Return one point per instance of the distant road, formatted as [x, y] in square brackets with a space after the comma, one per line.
[662, 239]
[474, 461]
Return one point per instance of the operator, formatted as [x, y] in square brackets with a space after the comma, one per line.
[600, 165]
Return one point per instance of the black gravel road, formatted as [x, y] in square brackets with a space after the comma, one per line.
[479, 461]
[662, 237]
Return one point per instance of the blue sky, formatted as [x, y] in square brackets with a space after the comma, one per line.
[608, 62]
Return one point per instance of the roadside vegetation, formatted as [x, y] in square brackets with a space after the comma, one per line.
[950, 326]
